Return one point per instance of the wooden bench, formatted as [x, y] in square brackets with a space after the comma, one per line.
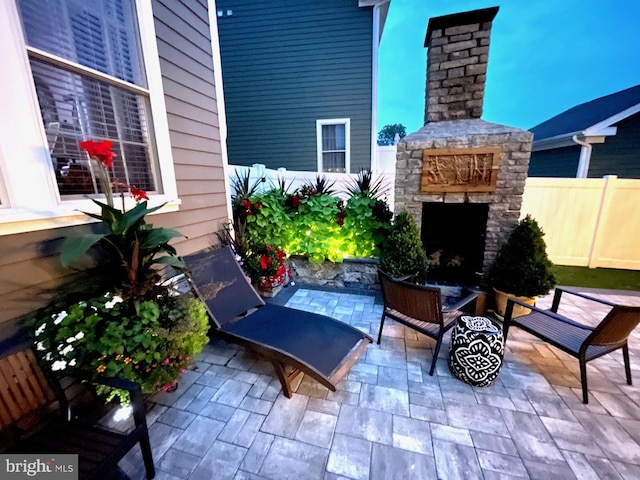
[29, 399]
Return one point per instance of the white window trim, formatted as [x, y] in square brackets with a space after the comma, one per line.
[334, 121]
[29, 198]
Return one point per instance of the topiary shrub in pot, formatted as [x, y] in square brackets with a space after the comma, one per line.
[522, 268]
[402, 253]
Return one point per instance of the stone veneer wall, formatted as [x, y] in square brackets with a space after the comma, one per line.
[504, 202]
[360, 273]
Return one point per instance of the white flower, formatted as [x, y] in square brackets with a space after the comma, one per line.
[39, 346]
[41, 329]
[59, 317]
[116, 299]
[72, 363]
[79, 336]
[67, 349]
[59, 365]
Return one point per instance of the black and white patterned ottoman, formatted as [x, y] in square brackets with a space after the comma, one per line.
[476, 350]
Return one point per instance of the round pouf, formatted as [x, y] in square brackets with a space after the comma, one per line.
[476, 351]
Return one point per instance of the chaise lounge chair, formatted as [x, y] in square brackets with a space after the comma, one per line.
[294, 341]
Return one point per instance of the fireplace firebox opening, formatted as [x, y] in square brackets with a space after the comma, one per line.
[453, 236]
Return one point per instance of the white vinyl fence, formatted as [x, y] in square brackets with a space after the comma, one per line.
[591, 222]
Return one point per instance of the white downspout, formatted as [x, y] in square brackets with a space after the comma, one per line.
[374, 87]
[585, 157]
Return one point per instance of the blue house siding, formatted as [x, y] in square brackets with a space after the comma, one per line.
[620, 154]
[556, 162]
[287, 64]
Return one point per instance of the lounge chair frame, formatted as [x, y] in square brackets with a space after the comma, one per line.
[294, 341]
[581, 341]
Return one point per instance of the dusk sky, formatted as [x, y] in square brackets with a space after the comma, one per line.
[545, 57]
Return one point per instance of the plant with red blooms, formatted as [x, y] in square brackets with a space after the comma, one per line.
[247, 209]
[292, 201]
[136, 246]
[266, 266]
[133, 326]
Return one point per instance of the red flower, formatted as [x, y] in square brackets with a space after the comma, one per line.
[340, 222]
[138, 194]
[295, 201]
[268, 248]
[258, 206]
[265, 262]
[280, 254]
[246, 203]
[340, 204]
[100, 150]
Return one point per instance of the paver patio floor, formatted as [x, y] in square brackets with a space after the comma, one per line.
[390, 420]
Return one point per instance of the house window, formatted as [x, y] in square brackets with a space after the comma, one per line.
[79, 50]
[81, 70]
[333, 145]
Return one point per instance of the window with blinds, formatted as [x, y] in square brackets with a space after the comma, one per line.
[333, 145]
[87, 67]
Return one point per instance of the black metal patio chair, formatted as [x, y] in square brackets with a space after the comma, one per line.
[581, 341]
[419, 307]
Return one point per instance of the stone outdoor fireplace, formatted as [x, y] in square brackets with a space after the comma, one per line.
[461, 178]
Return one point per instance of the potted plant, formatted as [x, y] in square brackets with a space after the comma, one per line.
[266, 268]
[522, 268]
[402, 253]
[134, 325]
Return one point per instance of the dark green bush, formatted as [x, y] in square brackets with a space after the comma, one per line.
[522, 267]
[402, 252]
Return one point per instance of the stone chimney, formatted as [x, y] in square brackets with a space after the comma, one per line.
[457, 64]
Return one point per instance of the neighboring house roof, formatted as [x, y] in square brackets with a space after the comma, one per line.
[590, 119]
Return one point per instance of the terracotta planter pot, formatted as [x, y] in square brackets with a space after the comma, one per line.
[518, 310]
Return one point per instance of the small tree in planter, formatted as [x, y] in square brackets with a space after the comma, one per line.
[402, 252]
[522, 267]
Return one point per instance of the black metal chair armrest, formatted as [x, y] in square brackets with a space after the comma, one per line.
[461, 303]
[117, 382]
[583, 295]
[548, 313]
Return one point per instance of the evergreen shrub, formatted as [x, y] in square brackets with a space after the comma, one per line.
[522, 267]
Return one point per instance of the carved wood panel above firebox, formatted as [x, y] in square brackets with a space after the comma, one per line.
[459, 169]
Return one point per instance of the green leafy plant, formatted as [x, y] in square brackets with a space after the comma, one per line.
[150, 343]
[311, 221]
[136, 247]
[522, 267]
[402, 252]
[134, 325]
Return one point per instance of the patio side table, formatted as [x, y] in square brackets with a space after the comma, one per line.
[476, 350]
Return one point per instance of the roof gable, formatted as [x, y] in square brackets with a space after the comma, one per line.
[586, 115]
